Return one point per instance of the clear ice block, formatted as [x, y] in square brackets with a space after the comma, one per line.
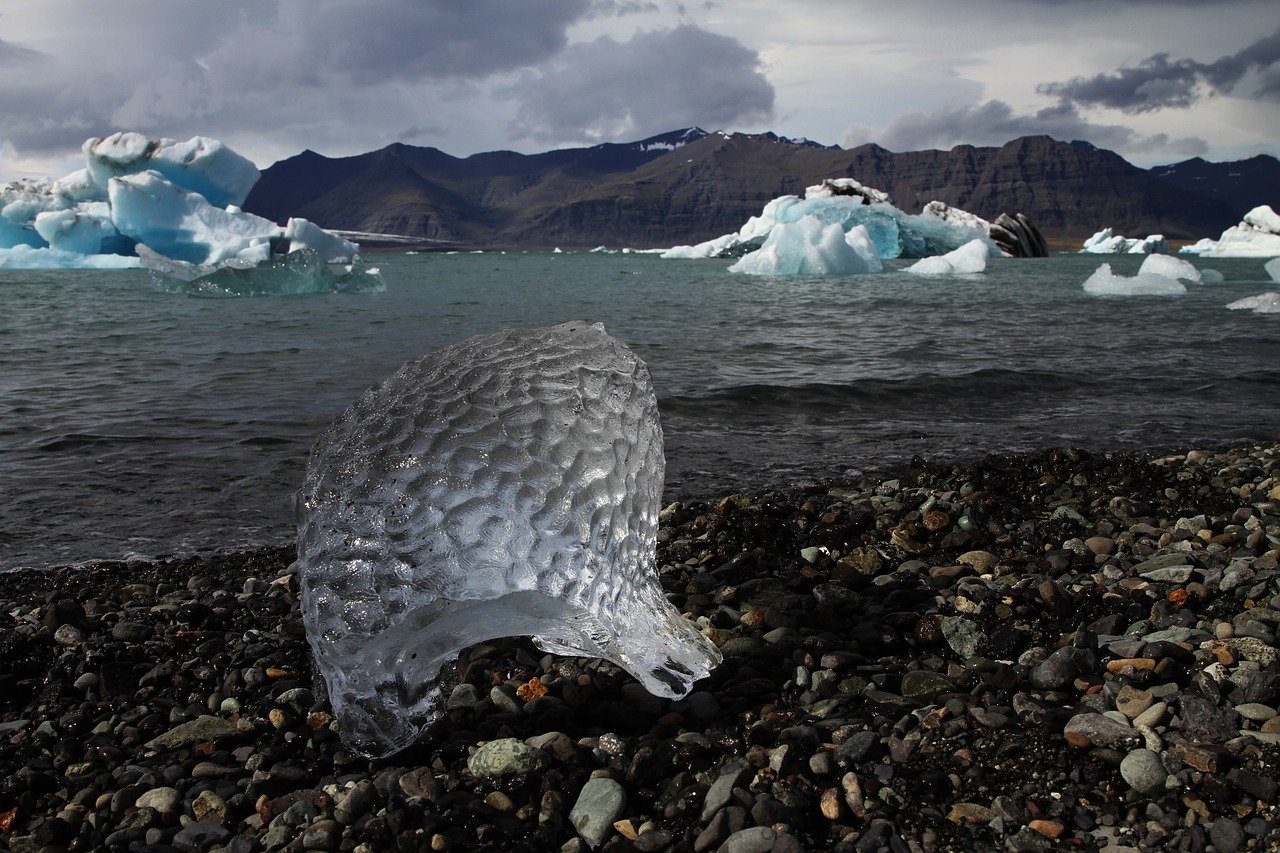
[505, 486]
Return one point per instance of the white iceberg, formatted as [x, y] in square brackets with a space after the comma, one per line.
[508, 485]
[1106, 283]
[810, 247]
[1273, 268]
[848, 204]
[199, 165]
[969, 258]
[1170, 267]
[1263, 303]
[1106, 242]
[1257, 236]
[174, 203]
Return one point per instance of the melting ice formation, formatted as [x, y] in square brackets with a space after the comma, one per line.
[171, 206]
[1263, 303]
[1159, 275]
[1107, 243]
[1257, 236]
[508, 485]
[969, 258]
[791, 234]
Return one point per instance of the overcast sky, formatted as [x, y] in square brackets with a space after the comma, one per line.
[1158, 81]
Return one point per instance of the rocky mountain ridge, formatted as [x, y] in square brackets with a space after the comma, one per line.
[690, 185]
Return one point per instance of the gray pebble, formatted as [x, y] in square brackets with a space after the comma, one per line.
[1144, 771]
[599, 804]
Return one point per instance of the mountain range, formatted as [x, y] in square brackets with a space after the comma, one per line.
[691, 185]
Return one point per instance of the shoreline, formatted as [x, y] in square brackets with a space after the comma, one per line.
[1039, 651]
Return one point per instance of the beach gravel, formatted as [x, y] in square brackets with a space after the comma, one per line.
[1053, 651]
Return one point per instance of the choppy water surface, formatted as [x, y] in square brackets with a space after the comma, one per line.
[137, 422]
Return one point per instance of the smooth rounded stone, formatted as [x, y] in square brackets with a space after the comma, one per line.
[506, 757]
[1058, 669]
[741, 647]
[88, 681]
[734, 775]
[1152, 716]
[68, 636]
[164, 800]
[1256, 711]
[1092, 729]
[1169, 574]
[556, 744]
[200, 837]
[923, 684]
[1162, 561]
[755, 839]
[962, 635]
[356, 803]
[1100, 545]
[599, 804]
[1227, 835]
[230, 705]
[208, 807]
[131, 632]
[463, 695]
[1143, 770]
[979, 561]
[202, 728]
[1131, 701]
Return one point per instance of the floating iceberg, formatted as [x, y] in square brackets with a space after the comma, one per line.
[848, 204]
[293, 274]
[1107, 243]
[1273, 268]
[808, 247]
[1257, 236]
[505, 486]
[969, 258]
[1170, 267]
[175, 204]
[1263, 303]
[1106, 283]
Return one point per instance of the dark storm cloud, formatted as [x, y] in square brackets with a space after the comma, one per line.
[178, 68]
[658, 80]
[995, 123]
[1159, 82]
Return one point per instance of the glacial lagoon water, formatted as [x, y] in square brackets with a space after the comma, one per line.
[134, 422]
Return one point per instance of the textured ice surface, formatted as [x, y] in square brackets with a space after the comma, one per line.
[969, 258]
[505, 486]
[810, 247]
[1263, 303]
[1106, 283]
[1170, 267]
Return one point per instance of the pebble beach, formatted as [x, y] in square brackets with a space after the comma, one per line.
[1057, 651]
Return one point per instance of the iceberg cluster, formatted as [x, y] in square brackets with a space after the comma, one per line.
[969, 258]
[1104, 282]
[505, 486]
[141, 201]
[1257, 236]
[1107, 243]
[845, 203]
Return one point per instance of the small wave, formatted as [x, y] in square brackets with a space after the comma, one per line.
[984, 384]
[77, 440]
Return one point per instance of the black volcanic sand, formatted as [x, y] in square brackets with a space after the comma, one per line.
[1059, 651]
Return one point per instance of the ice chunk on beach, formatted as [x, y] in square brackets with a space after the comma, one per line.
[1106, 283]
[969, 258]
[1170, 267]
[505, 486]
[1106, 242]
[810, 247]
[199, 165]
[1257, 236]
[1263, 303]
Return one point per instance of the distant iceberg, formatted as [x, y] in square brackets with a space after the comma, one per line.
[848, 204]
[1263, 303]
[1106, 283]
[969, 258]
[175, 204]
[1257, 236]
[1105, 242]
[1273, 268]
